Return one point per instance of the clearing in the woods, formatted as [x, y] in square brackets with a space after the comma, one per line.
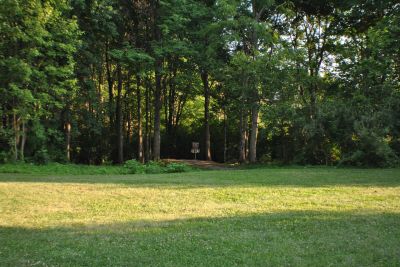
[257, 217]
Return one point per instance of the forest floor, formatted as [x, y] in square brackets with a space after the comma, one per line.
[253, 217]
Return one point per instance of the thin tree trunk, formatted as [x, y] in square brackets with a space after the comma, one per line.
[151, 134]
[119, 119]
[254, 132]
[242, 147]
[207, 141]
[157, 93]
[16, 136]
[68, 140]
[247, 139]
[157, 117]
[23, 141]
[139, 118]
[147, 110]
[128, 129]
[110, 83]
[129, 113]
[225, 134]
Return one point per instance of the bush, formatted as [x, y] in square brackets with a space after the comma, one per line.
[134, 166]
[41, 157]
[4, 157]
[176, 167]
[266, 158]
[154, 167]
[371, 150]
[382, 157]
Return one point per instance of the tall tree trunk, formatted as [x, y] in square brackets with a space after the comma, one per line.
[247, 139]
[110, 83]
[16, 136]
[225, 133]
[128, 129]
[151, 134]
[147, 136]
[157, 93]
[207, 141]
[242, 146]
[254, 132]
[23, 141]
[157, 115]
[119, 119]
[139, 120]
[68, 139]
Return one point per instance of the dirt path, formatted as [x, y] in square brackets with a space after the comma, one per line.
[202, 164]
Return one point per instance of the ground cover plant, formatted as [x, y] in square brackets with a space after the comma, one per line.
[254, 217]
[129, 167]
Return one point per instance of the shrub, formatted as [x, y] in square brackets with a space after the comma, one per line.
[176, 167]
[134, 166]
[41, 157]
[371, 150]
[4, 157]
[154, 167]
[266, 158]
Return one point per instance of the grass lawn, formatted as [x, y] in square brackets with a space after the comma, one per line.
[255, 217]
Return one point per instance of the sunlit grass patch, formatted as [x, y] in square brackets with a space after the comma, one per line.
[217, 218]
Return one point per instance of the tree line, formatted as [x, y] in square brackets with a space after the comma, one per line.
[104, 81]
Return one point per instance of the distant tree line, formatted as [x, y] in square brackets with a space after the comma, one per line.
[101, 81]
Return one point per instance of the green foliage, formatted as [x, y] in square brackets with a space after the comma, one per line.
[60, 169]
[41, 157]
[176, 167]
[38, 43]
[78, 76]
[4, 157]
[371, 151]
[134, 166]
[44, 166]
[154, 167]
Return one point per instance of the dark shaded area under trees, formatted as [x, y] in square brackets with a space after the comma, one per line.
[99, 81]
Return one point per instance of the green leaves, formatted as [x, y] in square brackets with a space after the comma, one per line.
[130, 56]
[314, 68]
[37, 46]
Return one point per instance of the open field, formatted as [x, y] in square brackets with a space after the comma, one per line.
[255, 217]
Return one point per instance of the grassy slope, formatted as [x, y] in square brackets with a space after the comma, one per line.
[258, 217]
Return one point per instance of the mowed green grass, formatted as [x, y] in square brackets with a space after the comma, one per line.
[257, 217]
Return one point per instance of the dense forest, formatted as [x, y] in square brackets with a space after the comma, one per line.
[291, 82]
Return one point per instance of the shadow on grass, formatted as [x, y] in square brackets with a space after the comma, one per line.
[313, 177]
[279, 239]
